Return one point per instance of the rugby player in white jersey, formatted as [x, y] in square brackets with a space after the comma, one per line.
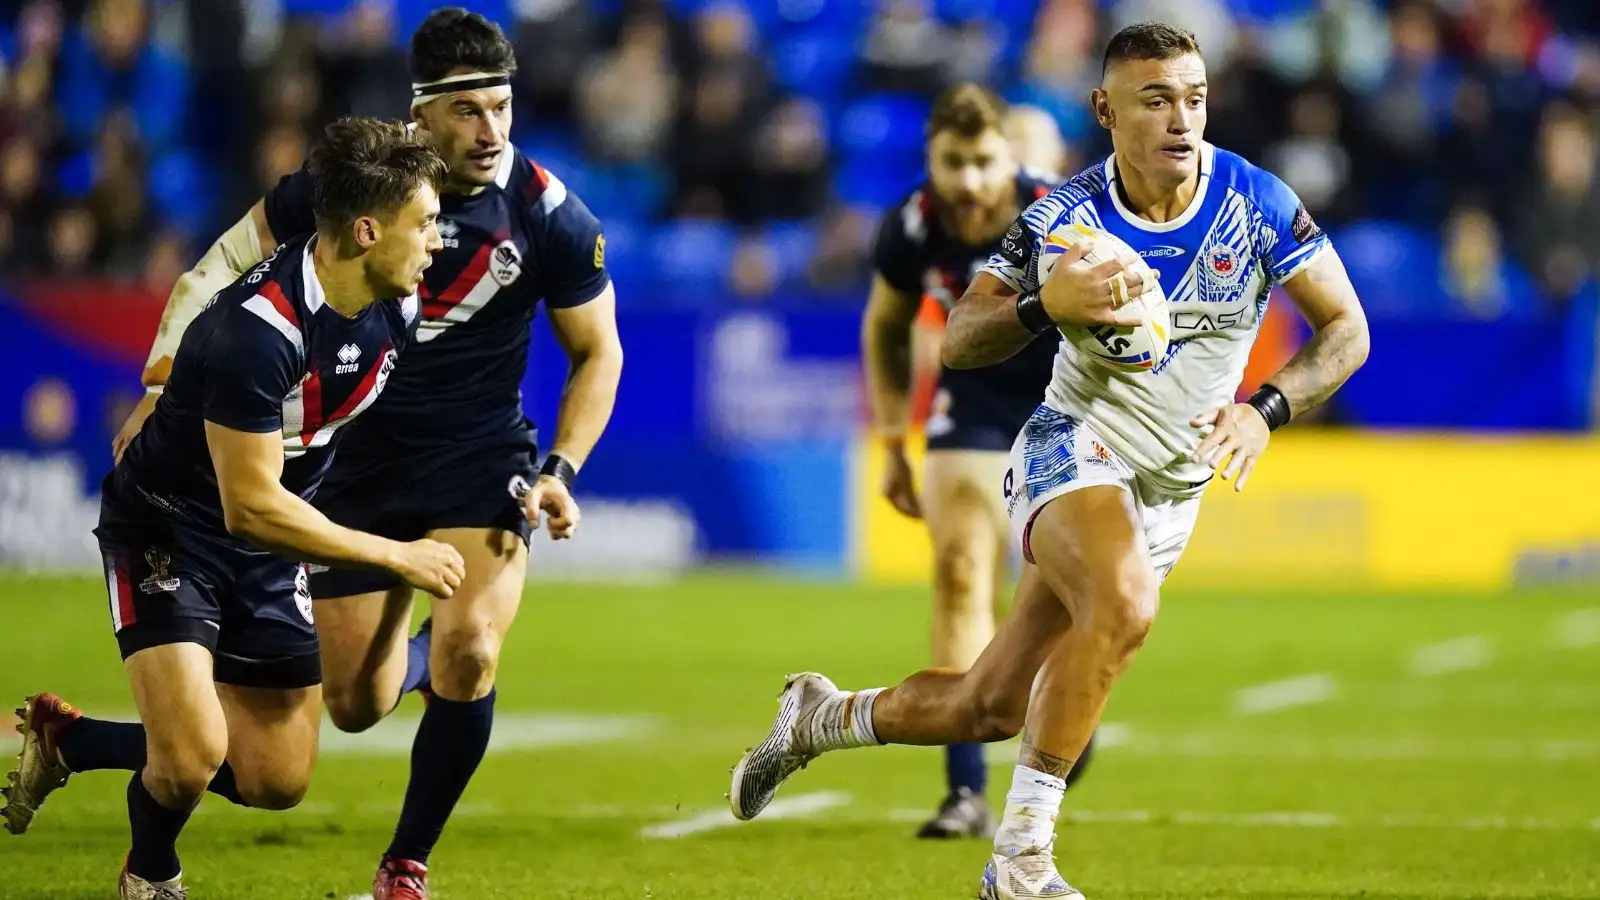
[1106, 477]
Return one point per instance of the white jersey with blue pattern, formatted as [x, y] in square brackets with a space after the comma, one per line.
[1243, 232]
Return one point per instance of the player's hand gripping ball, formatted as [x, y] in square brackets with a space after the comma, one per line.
[1123, 320]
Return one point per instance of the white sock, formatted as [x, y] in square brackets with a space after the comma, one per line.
[844, 721]
[1031, 808]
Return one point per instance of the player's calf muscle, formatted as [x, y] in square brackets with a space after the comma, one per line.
[186, 733]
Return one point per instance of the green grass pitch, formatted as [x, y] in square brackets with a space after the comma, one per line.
[1265, 745]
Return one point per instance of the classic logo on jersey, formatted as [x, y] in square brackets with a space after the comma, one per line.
[1016, 246]
[1304, 227]
[160, 580]
[349, 360]
[447, 234]
[599, 251]
[1164, 251]
[505, 263]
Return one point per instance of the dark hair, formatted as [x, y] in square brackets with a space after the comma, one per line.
[452, 38]
[968, 110]
[1149, 40]
[368, 167]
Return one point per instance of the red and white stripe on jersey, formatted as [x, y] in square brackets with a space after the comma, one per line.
[545, 190]
[272, 307]
[120, 593]
[307, 424]
[914, 216]
[471, 289]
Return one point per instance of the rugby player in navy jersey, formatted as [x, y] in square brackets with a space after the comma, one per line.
[205, 517]
[930, 245]
[447, 452]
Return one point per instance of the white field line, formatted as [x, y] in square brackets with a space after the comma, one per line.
[1579, 628]
[1455, 655]
[512, 732]
[797, 807]
[1279, 695]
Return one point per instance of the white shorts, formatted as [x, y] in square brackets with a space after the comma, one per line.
[1055, 454]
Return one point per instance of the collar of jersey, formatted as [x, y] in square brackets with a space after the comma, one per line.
[1207, 162]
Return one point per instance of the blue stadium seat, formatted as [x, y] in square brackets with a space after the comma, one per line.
[1016, 14]
[866, 181]
[837, 17]
[180, 191]
[75, 177]
[890, 124]
[793, 244]
[690, 261]
[814, 65]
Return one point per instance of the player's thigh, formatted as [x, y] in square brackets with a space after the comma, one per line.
[963, 503]
[186, 732]
[363, 641]
[1090, 547]
[272, 741]
[469, 628]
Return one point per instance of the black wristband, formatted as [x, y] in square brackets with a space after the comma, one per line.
[1273, 406]
[1030, 312]
[557, 467]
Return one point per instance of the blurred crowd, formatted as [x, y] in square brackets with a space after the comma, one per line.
[751, 144]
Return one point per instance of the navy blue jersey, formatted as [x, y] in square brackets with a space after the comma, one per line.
[268, 354]
[914, 254]
[523, 239]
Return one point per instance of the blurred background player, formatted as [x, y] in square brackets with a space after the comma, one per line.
[1105, 479]
[928, 247]
[448, 453]
[215, 628]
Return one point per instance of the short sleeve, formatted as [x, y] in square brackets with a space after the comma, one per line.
[288, 206]
[895, 257]
[1290, 238]
[574, 255]
[250, 367]
[1014, 261]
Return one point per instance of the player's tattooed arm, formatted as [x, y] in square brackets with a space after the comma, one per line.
[1040, 761]
[1339, 341]
[886, 350]
[983, 328]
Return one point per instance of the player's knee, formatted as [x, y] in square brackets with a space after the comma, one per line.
[275, 791]
[351, 711]
[467, 663]
[1124, 619]
[998, 714]
[958, 575]
[180, 778]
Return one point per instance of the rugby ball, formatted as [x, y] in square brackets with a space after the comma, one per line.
[1128, 349]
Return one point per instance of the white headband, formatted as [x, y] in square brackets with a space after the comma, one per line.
[424, 91]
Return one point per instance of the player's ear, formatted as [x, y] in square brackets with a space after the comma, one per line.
[1101, 102]
[365, 231]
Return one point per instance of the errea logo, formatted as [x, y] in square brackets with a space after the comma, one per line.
[447, 233]
[349, 358]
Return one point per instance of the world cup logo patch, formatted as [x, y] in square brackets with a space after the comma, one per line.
[505, 263]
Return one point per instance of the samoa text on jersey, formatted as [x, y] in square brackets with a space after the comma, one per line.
[522, 239]
[268, 354]
[1243, 232]
[914, 255]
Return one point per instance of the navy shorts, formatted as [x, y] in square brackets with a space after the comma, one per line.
[974, 410]
[171, 581]
[404, 494]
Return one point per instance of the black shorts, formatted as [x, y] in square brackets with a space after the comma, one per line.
[975, 410]
[404, 494]
[172, 581]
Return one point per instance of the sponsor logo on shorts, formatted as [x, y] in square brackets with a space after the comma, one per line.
[160, 580]
[302, 593]
[518, 487]
[1098, 454]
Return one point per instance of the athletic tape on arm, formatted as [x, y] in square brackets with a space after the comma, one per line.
[233, 254]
